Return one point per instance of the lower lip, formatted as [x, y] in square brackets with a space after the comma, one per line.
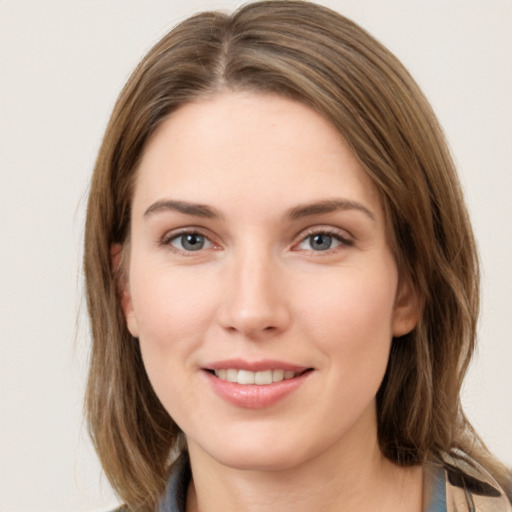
[254, 396]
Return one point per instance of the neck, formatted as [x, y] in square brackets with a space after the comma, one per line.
[347, 476]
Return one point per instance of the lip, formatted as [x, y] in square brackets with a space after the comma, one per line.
[254, 396]
[255, 366]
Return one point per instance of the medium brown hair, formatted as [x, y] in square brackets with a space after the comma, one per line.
[313, 55]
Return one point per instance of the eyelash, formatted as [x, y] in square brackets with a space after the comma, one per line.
[171, 237]
[335, 234]
[343, 241]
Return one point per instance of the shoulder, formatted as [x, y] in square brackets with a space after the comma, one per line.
[175, 495]
[470, 487]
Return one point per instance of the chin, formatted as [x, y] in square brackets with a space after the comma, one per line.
[253, 459]
[254, 453]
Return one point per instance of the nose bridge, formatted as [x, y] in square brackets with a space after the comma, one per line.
[254, 302]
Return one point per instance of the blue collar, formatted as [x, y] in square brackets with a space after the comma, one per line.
[175, 496]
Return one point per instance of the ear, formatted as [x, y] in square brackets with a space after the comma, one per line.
[408, 308]
[123, 288]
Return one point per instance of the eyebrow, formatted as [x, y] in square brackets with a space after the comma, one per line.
[185, 207]
[295, 213]
[327, 206]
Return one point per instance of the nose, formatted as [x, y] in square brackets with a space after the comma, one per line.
[254, 301]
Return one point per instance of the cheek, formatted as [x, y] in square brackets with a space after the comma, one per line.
[173, 309]
[351, 316]
[351, 324]
[169, 301]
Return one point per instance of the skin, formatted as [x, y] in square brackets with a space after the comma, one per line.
[259, 288]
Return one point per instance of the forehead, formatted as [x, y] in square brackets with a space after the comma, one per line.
[252, 146]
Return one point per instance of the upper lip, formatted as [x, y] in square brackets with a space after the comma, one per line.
[255, 366]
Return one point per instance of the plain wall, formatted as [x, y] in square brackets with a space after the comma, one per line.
[62, 64]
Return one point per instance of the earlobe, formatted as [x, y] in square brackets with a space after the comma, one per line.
[123, 289]
[408, 308]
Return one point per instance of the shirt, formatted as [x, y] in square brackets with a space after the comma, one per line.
[457, 485]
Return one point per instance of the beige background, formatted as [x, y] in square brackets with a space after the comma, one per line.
[62, 64]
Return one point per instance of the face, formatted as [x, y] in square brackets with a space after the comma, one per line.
[260, 282]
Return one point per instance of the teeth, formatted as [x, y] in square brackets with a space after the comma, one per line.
[277, 375]
[263, 377]
[247, 377]
[231, 375]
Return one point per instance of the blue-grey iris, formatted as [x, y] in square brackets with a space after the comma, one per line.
[320, 242]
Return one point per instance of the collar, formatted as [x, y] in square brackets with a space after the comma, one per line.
[459, 484]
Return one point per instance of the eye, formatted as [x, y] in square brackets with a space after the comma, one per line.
[190, 242]
[322, 241]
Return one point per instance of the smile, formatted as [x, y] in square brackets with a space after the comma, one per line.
[260, 378]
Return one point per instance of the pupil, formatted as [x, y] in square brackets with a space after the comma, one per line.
[192, 242]
[321, 242]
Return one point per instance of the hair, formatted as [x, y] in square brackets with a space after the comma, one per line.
[315, 56]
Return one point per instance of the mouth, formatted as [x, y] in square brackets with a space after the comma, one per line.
[260, 378]
[255, 384]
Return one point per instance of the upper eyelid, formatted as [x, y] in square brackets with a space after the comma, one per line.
[345, 239]
[329, 230]
[171, 235]
[342, 234]
[176, 232]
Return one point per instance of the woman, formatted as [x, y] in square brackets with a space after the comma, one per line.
[282, 279]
